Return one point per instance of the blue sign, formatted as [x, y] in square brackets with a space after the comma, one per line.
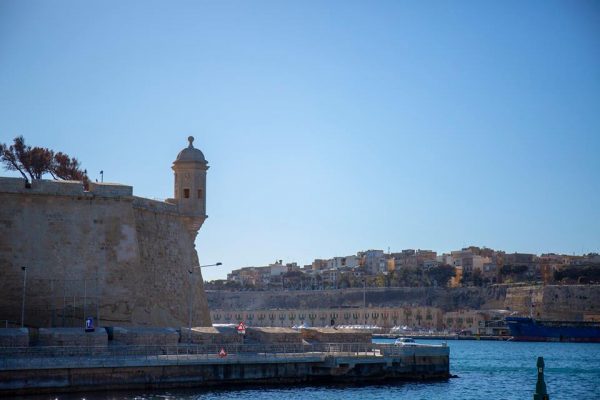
[89, 324]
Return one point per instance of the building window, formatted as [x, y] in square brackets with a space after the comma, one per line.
[186, 193]
[199, 193]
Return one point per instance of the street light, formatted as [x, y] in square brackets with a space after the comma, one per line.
[192, 295]
[365, 299]
[23, 299]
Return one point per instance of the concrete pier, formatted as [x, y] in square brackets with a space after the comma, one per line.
[63, 369]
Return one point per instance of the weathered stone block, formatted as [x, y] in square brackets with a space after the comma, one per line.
[331, 335]
[273, 335]
[14, 337]
[110, 189]
[154, 205]
[145, 336]
[60, 188]
[72, 337]
[211, 335]
[12, 185]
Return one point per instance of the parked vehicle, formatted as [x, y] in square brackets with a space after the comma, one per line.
[405, 341]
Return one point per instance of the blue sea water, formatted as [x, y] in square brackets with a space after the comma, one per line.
[485, 369]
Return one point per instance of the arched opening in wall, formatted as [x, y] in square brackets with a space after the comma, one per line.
[186, 193]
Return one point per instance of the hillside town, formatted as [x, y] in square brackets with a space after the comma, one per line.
[468, 291]
[470, 266]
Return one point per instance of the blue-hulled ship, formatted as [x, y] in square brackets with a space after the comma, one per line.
[529, 329]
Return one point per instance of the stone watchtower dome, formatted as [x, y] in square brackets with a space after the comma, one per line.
[190, 186]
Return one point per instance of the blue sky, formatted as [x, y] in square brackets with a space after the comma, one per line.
[330, 127]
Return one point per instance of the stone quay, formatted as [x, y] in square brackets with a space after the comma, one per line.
[72, 360]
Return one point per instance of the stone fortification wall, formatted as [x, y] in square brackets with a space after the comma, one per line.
[445, 299]
[556, 302]
[521, 299]
[101, 253]
[166, 251]
[579, 302]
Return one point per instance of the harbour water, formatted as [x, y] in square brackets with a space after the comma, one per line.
[485, 369]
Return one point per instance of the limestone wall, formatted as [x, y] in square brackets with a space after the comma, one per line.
[330, 335]
[469, 297]
[100, 253]
[572, 302]
[167, 254]
[14, 337]
[72, 337]
[211, 335]
[145, 336]
[556, 302]
[270, 335]
[523, 299]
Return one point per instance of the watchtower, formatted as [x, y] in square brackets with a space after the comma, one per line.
[190, 186]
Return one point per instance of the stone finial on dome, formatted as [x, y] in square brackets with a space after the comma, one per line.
[191, 153]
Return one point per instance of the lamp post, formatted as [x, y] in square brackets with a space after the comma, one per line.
[23, 299]
[192, 296]
[365, 299]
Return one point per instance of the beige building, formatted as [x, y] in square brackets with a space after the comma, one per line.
[469, 261]
[414, 318]
[471, 321]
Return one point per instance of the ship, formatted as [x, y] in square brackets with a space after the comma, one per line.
[532, 330]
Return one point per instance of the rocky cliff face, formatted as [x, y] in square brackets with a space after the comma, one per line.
[100, 253]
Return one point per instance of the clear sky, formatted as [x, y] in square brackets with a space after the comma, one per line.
[330, 127]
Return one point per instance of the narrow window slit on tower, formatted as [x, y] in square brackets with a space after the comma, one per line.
[199, 193]
[186, 193]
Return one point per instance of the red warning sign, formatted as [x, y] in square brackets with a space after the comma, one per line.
[241, 328]
[222, 353]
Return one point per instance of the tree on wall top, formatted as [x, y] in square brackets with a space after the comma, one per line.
[33, 162]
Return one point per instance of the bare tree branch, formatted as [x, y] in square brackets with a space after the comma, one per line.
[38, 161]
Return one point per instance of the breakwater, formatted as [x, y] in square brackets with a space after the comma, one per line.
[69, 369]
[492, 369]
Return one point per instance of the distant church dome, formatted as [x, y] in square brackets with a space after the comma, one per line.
[191, 153]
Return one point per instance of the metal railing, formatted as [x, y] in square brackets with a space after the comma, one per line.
[7, 323]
